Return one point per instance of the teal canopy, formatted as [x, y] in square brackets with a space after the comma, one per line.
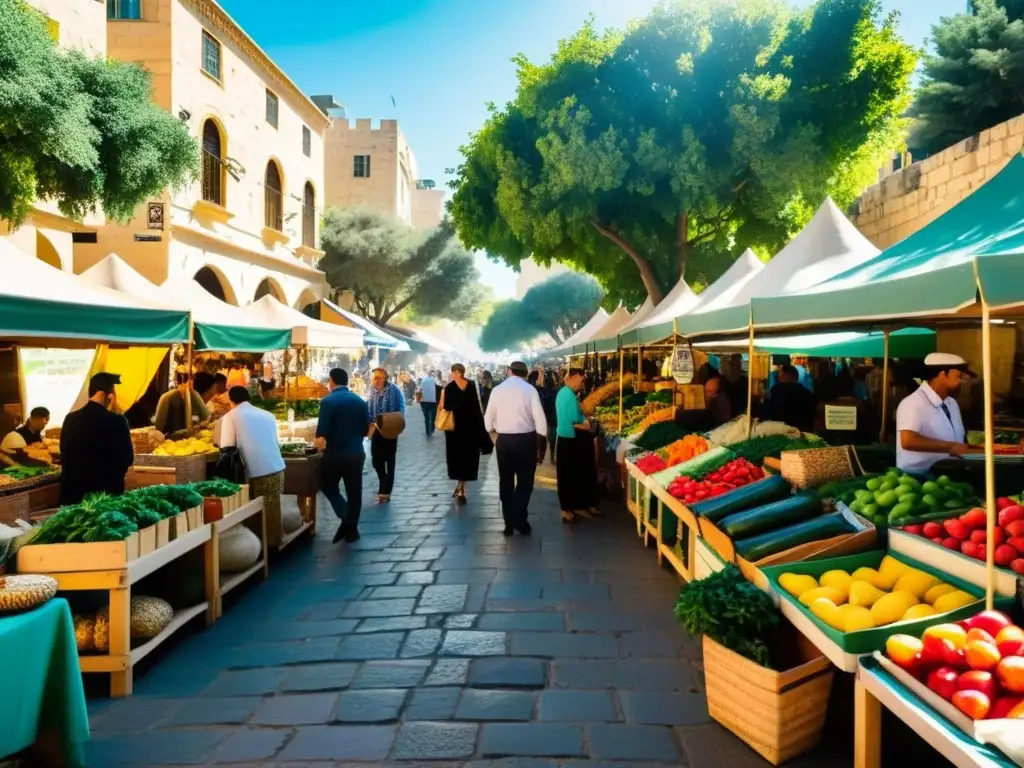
[934, 272]
[905, 343]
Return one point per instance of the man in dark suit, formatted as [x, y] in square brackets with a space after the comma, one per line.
[343, 423]
[791, 402]
[95, 445]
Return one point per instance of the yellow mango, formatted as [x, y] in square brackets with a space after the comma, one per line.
[889, 608]
[797, 583]
[827, 611]
[836, 579]
[864, 594]
[953, 600]
[891, 568]
[855, 617]
[908, 597]
[918, 611]
[916, 582]
[834, 595]
[871, 576]
[938, 591]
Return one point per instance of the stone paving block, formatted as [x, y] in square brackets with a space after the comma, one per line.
[599, 621]
[421, 642]
[423, 577]
[432, 704]
[577, 707]
[216, 711]
[654, 676]
[514, 591]
[177, 747]
[251, 744]
[650, 645]
[481, 704]
[442, 598]
[475, 598]
[634, 742]
[248, 682]
[545, 622]
[531, 740]
[664, 708]
[460, 620]
[465, 576]
[319, 677]
[448, 672]
[273, 654]
[381, 706]
[411, 566]
[130, 716]
[391, 674]
[379, 645]
[566, 592]
[493, 604]
[560, 644]
[347, 742]
[435, 741]
[367, 608]
[391, 624]
[429, 552]
[458, 642]
[379, 579]
[507, 673]
[392, 593]
[296, 709]
[302, 630]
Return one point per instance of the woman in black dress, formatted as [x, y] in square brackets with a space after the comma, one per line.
[464, 444]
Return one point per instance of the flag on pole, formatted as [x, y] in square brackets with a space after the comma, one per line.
[393, 102]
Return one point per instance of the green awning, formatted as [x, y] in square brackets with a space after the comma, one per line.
[233, 338]
[905, 343]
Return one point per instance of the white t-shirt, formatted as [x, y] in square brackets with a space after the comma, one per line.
[428, 390]
[921, 412]
[254, 433]
[515, 409]
[12, 443]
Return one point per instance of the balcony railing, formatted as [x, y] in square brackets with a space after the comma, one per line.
[273, 213]
[212, 178]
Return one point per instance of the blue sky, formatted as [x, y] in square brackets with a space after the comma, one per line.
[443, 60]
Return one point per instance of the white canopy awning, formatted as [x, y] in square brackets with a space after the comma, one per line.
[269, 312]
[618, 320]
[593, 324]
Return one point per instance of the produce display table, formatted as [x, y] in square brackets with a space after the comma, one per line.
[218, 585]
[876, 688]
[44, 703]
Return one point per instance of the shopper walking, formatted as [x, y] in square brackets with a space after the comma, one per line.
[426, 395]
[343, 423]
[467, 439]
[515, 413]
[548, 398]
[576, 465]
[486, 386]
[384, 398]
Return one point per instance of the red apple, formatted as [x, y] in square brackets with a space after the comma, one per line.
[1010, 674]
[937, 540]
[914, 530]
[1016, 528]
[1002, 706]
[956, 658]
[936, 650]
[974, 518]
[1017, 542]
[1010, 641]
[1008, 514]
[979, 536]
[1017, 566]
[970, 548]
[951, 543]
[974, 704]
[956, 528]
[980, 635]
[982, 655]
[976, 680]
[944, 682]
[931, 530]
[1005, 555]
[992, 622]
[1002, 502]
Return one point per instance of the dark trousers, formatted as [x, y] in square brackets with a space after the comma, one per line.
[347, 468]
[429, 414]
[382, 455]
[517, 464]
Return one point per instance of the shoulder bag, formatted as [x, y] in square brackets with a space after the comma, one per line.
[445, 419]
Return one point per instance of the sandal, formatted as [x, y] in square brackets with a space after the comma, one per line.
[462, 497]
[567, 517]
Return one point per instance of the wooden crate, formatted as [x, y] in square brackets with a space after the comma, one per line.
[44, 497]
[67, 558]
[15, 507]
[145, 476]
[780, 714]
[188, 469]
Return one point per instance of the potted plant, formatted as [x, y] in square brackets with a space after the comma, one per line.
[764, 681]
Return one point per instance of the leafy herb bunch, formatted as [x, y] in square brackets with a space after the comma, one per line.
[731, 611]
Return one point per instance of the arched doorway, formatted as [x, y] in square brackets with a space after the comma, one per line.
[309, 304]
[309, 216]
[215, 284]
[46, 251]
[212, 164]
[273, 202]
[269, 287]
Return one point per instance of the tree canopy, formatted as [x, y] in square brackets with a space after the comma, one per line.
[80, 131]
[647, 155]
[559, 307]
[388, 266]
[972, 79]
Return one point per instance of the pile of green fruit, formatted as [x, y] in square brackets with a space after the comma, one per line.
[897, 498]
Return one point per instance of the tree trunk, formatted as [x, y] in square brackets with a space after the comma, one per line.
[682, 222]
[647, 275]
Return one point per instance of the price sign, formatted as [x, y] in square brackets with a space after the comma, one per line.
[841, 417]
[682, 365]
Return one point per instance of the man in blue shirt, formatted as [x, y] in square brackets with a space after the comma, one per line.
[344, 422]
[384, 397]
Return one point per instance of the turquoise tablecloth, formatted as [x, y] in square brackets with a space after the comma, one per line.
[42, 684]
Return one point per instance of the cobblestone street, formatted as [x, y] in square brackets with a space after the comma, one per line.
[434, 638]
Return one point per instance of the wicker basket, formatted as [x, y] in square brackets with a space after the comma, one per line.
[814, 466]
[779, 714]
[188, 469]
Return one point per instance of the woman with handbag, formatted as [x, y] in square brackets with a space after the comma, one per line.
[461, 418]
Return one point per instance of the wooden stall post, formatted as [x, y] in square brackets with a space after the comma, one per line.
[750, 378]
[622, 383]
[885, 385]
[990, 465]
[188, 371]
[675, 340]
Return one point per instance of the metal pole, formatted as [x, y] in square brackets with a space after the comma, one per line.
[622, 383]
[188, 371]
[750, 380]
[885, 387]
[990, 466]
[675, 340]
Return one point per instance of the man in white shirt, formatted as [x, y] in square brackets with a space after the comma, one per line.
[254, 433]
[427, 396]
[515, 412]
[928, 421]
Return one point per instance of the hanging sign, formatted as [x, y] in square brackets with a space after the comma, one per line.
[841, 417]
[682, 365]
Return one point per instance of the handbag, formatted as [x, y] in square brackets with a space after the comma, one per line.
[391, 425]
[230, 466]
[444, 420]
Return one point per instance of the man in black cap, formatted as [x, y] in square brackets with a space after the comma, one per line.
[95, 444]
[515, 412]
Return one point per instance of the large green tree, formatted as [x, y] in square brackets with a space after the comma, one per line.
[559, 307]
[648, 155]
[80, 131]
[390, 267]
[973, 78]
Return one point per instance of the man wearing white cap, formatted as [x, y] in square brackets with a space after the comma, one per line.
[928, 421]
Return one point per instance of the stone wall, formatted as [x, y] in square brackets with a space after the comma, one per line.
[907, 200]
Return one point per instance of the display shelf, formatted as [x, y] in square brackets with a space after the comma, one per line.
[233, 580]
[218, 585]
[110, 663]
[288, 538]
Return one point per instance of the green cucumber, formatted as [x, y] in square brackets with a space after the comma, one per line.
[816, 529]
[749, 496]
[771, 517]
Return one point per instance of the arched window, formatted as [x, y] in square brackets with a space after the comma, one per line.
[309, 216]
[213, 164]
[273, 206]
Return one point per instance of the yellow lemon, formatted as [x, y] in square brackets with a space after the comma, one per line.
[864, 594]
[797, 583]
[834, 595]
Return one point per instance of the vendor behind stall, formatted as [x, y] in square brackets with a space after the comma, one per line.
[27, 434]
[95, 445]
[170, 411]
[791, 402]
